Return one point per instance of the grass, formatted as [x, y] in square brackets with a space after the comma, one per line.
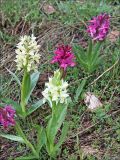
[94, 135]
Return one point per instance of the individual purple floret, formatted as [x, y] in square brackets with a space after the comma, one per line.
[7, 115]
[64, 56]
[99, 26]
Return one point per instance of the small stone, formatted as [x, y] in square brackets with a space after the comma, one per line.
[91, 101]
[48, 9]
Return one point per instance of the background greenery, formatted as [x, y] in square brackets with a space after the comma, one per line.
[91, 135]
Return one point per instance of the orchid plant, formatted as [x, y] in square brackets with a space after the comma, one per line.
[57, 96]
[8, 118]
[27, 60]
[98, 29]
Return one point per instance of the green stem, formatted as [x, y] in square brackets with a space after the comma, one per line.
[63, 73]
[89, 52]
[22, 93]
[20, 132]
[23, 108]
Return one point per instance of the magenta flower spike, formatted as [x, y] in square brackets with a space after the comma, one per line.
[99, 26]
[7, 115]
[64, 56]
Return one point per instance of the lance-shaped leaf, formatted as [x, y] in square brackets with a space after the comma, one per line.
[35, 106]
[29, 157]
[14, 76]
[89, 51]
[96, 50]
[28, 84]
[56, 121]
[63, 136]
[80, 89]
[41, 137]
[13, 137]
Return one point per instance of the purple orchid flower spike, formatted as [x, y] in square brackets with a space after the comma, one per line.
[64, 56]
[7, 115]
[99, 27]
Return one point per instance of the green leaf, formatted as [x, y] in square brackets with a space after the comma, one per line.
[63, 136]
[97, 60]
[77, 48]
[25, 88]
[14, 76]
[29, 157]
[97, 47]
[41, 137]
[1, 105]
[89, 52]
[81, 56]
[80, 89]
[93, 58]
[13, 137]
[58, 116]
[79, 53]
[28, 84]
[26, 141]
[35, 106]
[34, 78]
[96, 50]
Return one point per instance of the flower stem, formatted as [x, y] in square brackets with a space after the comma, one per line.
[20, 132]
[23, 104]
[63, 73]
